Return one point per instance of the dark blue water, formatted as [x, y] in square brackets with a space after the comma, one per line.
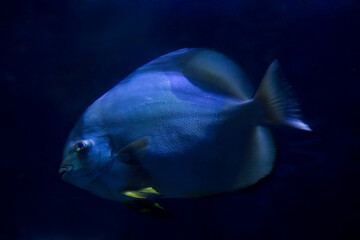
[57, 57]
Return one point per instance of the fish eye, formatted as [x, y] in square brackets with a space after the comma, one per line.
[81, 146]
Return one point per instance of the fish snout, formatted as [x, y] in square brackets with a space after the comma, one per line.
[64, 169]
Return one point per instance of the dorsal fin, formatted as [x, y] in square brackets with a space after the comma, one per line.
[206, 69]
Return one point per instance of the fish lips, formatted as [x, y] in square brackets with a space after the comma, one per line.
[64, 171]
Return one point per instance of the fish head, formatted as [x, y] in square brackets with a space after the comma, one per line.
[83, 160]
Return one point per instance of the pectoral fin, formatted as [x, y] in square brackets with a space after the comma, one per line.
[132, 152]
[147, 207]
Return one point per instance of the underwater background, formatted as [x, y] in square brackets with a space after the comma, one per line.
[57, 57]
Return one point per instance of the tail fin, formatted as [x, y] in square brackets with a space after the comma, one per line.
[276, 99]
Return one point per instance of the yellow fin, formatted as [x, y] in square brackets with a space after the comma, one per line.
[149, 190]
[141, 193]
[158, 206]
[133, 194]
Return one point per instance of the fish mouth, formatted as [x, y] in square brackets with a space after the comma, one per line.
[64, 170]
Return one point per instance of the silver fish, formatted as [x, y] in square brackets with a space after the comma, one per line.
[187, 124]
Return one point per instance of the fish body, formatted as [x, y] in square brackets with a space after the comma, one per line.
[184, 125]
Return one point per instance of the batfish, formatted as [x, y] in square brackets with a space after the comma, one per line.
[187, 124]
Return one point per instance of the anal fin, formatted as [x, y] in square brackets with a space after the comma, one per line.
[259, 161]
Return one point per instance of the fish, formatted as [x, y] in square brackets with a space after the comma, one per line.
[187, 124]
